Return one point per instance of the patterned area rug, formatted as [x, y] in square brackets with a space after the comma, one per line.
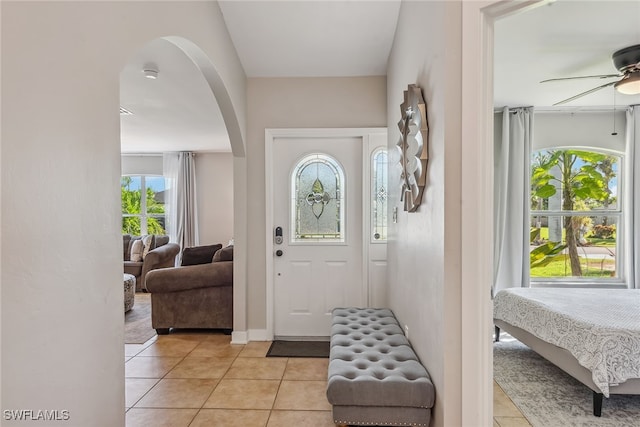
[137, 321]
[548, 397]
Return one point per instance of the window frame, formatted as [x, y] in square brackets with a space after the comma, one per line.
[619, 213]
[373, 195]
[144, 214]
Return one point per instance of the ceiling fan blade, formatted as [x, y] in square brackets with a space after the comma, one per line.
[580, 95]
[601, 76]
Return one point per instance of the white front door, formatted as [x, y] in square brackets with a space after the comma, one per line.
[317, 205]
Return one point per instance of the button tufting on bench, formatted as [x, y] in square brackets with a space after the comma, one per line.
[373, 371]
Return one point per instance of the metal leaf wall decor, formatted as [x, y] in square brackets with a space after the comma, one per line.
[414, 148]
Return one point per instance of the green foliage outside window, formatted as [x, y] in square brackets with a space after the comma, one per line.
[583, 178]
[132, 210]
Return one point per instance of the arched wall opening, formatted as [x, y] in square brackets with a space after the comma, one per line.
[205, 94]
[218, 88]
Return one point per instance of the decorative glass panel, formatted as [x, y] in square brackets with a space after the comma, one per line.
[379, 196]
[317, 200]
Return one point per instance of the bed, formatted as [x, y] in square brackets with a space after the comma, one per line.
[592, 334]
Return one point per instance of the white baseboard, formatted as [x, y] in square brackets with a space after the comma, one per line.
[239, 337]
[243, 337]
[259, 335]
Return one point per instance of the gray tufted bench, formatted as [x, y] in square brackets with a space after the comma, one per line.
[375, 377]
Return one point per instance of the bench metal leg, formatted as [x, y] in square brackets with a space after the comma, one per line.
[497, 332]
[597, 403]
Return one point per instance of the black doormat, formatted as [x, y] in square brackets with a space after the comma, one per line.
[299, 349]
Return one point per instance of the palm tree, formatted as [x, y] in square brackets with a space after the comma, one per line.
[583, 183]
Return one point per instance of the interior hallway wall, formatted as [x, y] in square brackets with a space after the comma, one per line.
[62, 299]
[424, 248]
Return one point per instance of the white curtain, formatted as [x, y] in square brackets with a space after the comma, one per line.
[632, 222]
[182, 210]
[511, 199]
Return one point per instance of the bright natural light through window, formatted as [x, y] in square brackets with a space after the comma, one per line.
[576, 216]
[143, 215]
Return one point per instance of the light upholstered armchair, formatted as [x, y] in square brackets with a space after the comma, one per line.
[194, 296]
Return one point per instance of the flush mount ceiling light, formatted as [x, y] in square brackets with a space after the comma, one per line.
[150, 73]
[630, 85]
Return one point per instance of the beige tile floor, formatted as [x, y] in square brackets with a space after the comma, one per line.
[199, 380]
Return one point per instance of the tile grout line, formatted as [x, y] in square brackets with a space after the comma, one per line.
[277, 391]
[217, 384]
[167, 373]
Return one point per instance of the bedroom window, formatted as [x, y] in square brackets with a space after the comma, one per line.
[143, 215]
[575, 216]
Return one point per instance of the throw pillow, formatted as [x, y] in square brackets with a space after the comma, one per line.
[224, 254]
[126, 248]
[133, 239]
[160, 241]
[136, 250]
[199, 254]
[147, 242]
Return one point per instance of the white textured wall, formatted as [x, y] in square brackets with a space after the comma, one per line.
[579, 129]
[214, 183]
[137, 164]
[62, 322]
[347, 102]
[424, 247]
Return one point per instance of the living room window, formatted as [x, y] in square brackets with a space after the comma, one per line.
[576, 216]
[143, 215]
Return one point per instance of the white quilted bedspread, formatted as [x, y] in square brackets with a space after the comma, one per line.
[600, 327]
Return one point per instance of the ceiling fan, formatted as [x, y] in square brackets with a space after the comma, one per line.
[627, 62]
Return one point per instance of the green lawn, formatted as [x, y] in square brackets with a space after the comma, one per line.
[594, 241]
[560, 267]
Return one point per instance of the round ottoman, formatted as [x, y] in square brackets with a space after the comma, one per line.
[129, 291]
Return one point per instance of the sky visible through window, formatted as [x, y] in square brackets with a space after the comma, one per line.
[156, 183]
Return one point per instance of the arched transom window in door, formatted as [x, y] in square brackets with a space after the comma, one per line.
[317, 200]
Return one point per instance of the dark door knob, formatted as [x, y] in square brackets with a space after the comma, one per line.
[279, 252]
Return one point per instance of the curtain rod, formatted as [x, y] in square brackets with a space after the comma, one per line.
[142, 154]
[513, 109]
[572, 109]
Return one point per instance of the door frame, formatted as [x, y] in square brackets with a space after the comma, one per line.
[478, 17]
[270, 135]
